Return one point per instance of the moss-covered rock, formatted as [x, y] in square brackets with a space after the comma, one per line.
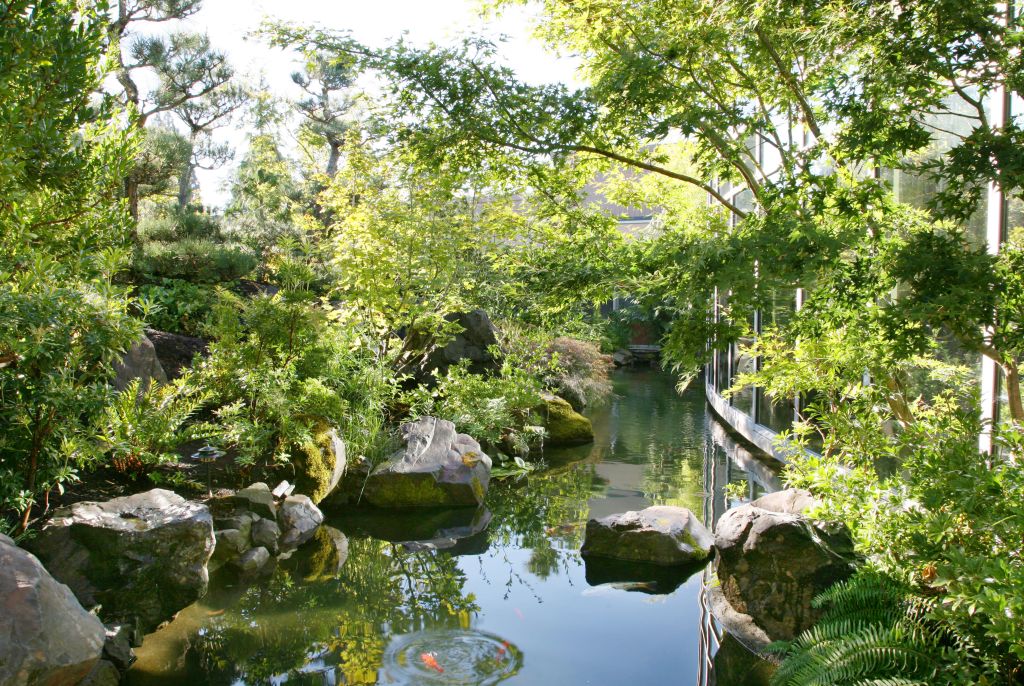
[319, 464]
[438, 468]
[565, 426]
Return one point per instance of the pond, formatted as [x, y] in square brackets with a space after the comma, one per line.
[500, 595]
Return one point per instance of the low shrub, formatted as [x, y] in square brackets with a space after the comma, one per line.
[143, 426]
[196, 259]
[168, 225]
[178, 306]
[580, 372]
[495, 409]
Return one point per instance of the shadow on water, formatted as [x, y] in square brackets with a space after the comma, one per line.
[497, 595]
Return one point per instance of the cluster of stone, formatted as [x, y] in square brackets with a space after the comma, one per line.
[771, 559]
[256, 524]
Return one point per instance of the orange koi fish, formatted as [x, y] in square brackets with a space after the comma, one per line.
[501, 652]
[429, 661]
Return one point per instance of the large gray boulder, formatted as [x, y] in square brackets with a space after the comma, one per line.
[661, 535]
[438, 468]
[773, 560]
[46, 636]
[176, 352]
[140, 362]
[141, 558]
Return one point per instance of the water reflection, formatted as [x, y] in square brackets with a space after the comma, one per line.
[364, 606]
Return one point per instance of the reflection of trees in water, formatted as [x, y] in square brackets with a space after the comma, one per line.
[675, 478]
[548, 516]
[288, 626]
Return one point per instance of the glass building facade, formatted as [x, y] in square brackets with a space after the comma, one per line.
[759, 418]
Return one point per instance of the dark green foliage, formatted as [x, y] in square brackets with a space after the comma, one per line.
[63, 321]
[143, 426]
[875, 631]
[178, 306]
[285, 368]
[169, 224]
[197, 260]
[187, 244]
[159, 160]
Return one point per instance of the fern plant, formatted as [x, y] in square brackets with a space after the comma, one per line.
[875, 632]
[144, 425]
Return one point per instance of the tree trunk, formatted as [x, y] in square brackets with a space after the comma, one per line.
[332, 159]
[1011, 377]
[185, 184]
[131, 191]
[897, 401]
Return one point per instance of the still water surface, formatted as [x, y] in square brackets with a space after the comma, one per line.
[507, 599]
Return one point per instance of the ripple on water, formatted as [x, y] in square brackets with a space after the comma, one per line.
[467, 658]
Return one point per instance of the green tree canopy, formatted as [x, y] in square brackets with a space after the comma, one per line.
[62, 236]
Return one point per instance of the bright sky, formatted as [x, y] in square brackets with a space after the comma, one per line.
[374, 22]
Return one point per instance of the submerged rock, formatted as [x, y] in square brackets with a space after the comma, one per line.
[773, 562]
[142, 558]
[735, 663]
[104, 673]
[661, 535]
[622, 358]
[565, 426]
[46, 636]
[438, 468]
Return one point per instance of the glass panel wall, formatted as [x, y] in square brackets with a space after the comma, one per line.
[743, 399]
[777, 414]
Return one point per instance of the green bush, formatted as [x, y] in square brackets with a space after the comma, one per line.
[178, 306]
[168, 225]
[930, 512]
[876, 630]
[63, 235]
[499, 409]
[196, 259]
[142, 427]
[283, 370]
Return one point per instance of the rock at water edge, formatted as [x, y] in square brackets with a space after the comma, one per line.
[438, 468]
[46, 636]
[662, 535]
[565, 426]
[771, 565]
[142, 558]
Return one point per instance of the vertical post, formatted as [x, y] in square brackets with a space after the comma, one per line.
[996, 218]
